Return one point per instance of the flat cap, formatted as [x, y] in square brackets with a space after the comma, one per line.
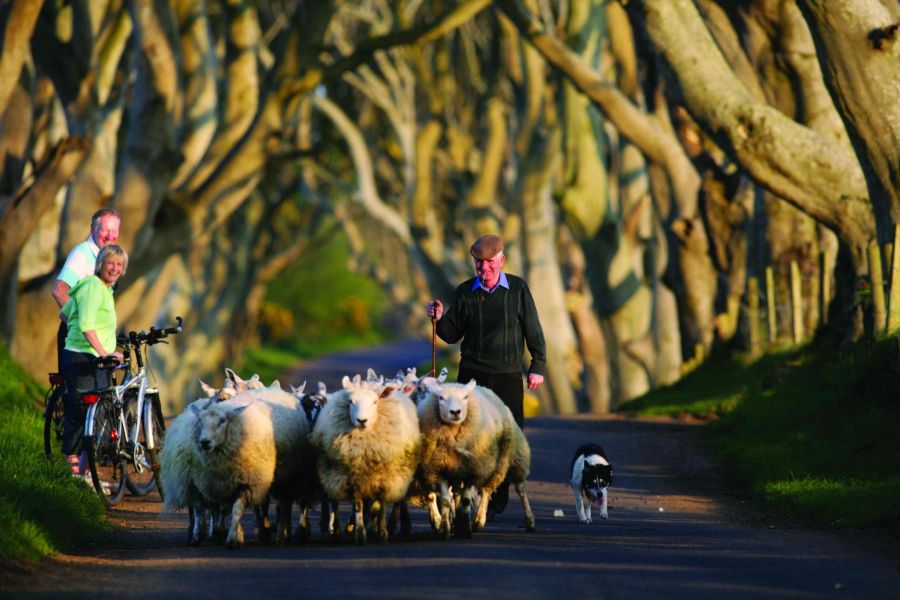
[486, 247]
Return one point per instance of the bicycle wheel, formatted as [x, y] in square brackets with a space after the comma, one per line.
[54, 406]
[159, 438]
[139, 476]
[104, 459]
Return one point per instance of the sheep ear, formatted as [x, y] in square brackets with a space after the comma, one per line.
[443, 376]
[431, 384]
[470, 386]
[322, 389]
[275, 386]
[411, 371]
[346, 383]
[357, 379]
[233, 377]
[208, 389]
[386, 392]
[299, 390]
[371, 376]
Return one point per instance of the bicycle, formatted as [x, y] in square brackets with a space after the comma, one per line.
[54, 406]
[124, 427]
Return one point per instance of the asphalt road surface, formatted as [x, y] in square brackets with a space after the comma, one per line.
[673, 532]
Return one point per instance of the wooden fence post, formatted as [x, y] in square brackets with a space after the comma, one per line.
[796, 299]
[876, 282]
[753, 314]
[770, 304]
[894, 282]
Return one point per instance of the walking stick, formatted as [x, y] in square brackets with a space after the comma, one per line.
[433, 347]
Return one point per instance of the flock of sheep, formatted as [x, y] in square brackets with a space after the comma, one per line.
[373, 443]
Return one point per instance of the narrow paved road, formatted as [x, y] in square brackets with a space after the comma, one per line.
[672, 533]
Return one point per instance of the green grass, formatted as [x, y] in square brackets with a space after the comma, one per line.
[811, 432]
[42, 508]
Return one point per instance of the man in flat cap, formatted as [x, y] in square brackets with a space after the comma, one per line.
[495, 317]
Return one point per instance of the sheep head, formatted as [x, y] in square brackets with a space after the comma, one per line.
[363, 399]
[212, 425]
[312, 403]
[453, 399]
[218, 394]
[240, 384]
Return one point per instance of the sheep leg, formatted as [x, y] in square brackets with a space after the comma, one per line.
[236, 531]
[196, 525]
[302, 533]
[359, 524]
[445, 501]
[379, 511]
[400, 514]
[405, 519]
[434, 513]
[283, 519]
[394, 519]
[331, 524]
[526, 506]
[481, 511]
[220, 526]
[326, 525]
[263, 525]
[462, 523]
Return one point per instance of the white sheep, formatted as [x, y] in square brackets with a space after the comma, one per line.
[367, 441]
[295, 477]
[178, 466]
[235, 453]
[470, 442]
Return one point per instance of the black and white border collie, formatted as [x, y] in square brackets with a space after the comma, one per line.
[591, 476]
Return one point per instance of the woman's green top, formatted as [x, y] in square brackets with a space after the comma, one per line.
[92, 307]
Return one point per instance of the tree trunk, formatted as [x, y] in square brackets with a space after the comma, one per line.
[857, 50]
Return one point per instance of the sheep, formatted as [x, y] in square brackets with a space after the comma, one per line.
[294, 477]
[413, 385]
[179, 460]
[178, 466]
[367, 441]
[470, 440]
[236, 458]
[312, 404]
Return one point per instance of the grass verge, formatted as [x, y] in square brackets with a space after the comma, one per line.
[813, 433]
[43, 509]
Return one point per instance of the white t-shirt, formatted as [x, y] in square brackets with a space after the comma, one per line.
[80, 263]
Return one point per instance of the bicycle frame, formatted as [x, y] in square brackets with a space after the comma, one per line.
[138, 382]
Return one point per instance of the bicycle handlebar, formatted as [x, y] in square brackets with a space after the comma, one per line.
[153, 337]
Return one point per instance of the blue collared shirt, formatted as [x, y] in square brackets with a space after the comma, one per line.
[503, 282]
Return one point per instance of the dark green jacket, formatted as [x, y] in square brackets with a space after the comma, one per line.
[495, 328]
